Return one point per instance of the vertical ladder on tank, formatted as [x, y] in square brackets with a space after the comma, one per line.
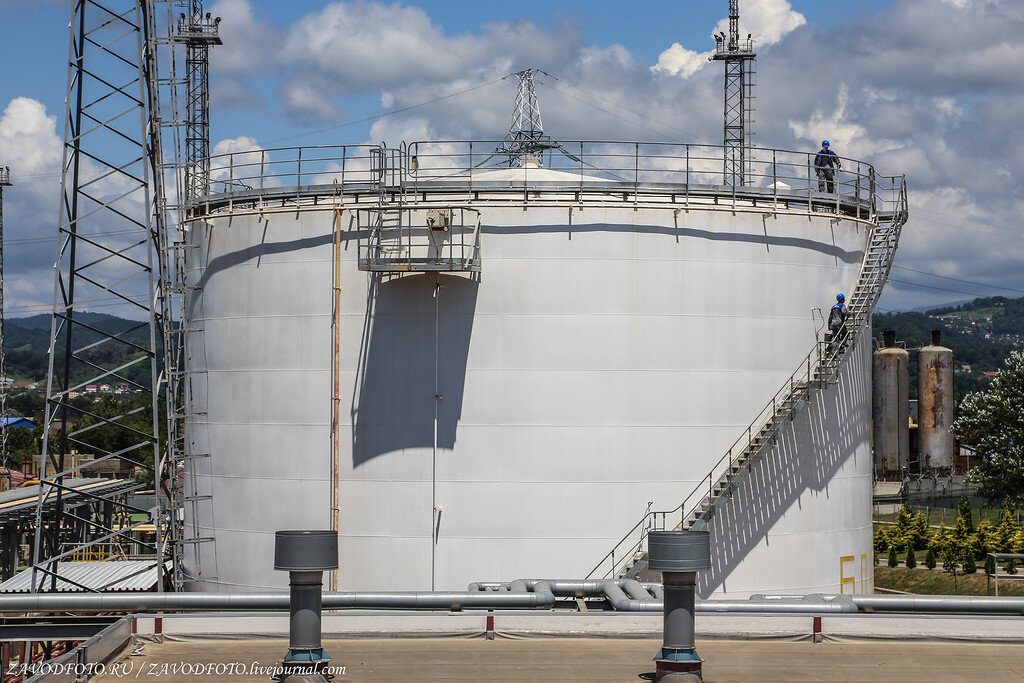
[819, 370]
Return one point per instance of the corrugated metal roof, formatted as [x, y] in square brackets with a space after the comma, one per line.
[127, 575]
[18, 422]
[33, 491]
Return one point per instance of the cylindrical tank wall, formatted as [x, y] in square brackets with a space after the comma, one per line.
[890, 409]
[520, 422]
[935, 405]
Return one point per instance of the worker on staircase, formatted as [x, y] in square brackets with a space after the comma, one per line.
[837, 322]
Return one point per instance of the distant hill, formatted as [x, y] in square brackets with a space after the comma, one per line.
[27, 342]
[925, 309]
[981, 333]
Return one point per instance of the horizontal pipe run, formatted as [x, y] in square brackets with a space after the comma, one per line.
[976, 604]
[533, 594]
[191, 602]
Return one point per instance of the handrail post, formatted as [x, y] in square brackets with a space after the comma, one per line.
[636, 173]
[687, 176]
[810, 208]
[858, 190]
[580, 157]
[263, 156]
[775, 182]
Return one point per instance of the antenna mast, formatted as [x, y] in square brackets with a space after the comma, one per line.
[739, 57]
[198, 32]
[526, 138]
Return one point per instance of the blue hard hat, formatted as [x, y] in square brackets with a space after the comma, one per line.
[840, 296]
[824, 143]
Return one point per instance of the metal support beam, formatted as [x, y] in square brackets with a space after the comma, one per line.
[108, 255]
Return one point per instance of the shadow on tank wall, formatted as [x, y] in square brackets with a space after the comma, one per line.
[406, 335]
[810, 451]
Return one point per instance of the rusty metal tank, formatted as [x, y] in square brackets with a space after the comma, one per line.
[890, 409]
[935, 405]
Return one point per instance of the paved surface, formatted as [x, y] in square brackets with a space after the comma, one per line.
[586, 659]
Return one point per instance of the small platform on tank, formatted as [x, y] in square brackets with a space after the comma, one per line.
[415, 265]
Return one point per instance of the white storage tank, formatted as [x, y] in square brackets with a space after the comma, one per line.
[492, 374]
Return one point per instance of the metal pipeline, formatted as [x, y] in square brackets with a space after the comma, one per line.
[977, 604]
[535, 594]
[633, 596]
[621, 602]
[539, 598]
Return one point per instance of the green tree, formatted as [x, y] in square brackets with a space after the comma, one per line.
[910, 529]
[992, 423]
[929, 559]
[23, 443]
[894, 561]
[985, 540]
[911, 558]
[1017, 544]
[881, 540]
[1005, 530]
[964, 511]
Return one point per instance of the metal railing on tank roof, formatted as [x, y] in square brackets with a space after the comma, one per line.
[690, 173]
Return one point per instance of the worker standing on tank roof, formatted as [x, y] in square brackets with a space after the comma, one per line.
[837, 322]
[826, 163]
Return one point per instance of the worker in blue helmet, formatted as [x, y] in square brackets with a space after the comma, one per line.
[837, 323]
[826, 163]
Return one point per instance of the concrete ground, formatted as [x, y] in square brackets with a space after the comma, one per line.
[583, 659]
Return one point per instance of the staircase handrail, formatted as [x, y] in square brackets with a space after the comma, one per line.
[833, 352]
[808, 366]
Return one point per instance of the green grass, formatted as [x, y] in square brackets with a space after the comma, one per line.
[937, 582]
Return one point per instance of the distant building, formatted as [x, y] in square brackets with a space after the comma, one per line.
[91, 388]
[18, 422]
[991, 373]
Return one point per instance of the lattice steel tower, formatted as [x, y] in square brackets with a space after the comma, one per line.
[526, 137]
[198, 32]
[5, 181]
[111, 228]
[739, 57]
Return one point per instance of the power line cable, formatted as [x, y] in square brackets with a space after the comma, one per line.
[610, 113]
[624, 107]
[941, 289]
[956, 279]
[388, 113]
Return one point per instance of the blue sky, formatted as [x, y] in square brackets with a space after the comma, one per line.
[37, 33]
[908, 85]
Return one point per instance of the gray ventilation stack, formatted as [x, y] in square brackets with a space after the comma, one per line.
[679, 555]
[890, 409]
[935, 406]
[305, 555]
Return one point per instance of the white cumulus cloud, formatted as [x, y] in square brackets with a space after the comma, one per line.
[767, 20]
[680, 61]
